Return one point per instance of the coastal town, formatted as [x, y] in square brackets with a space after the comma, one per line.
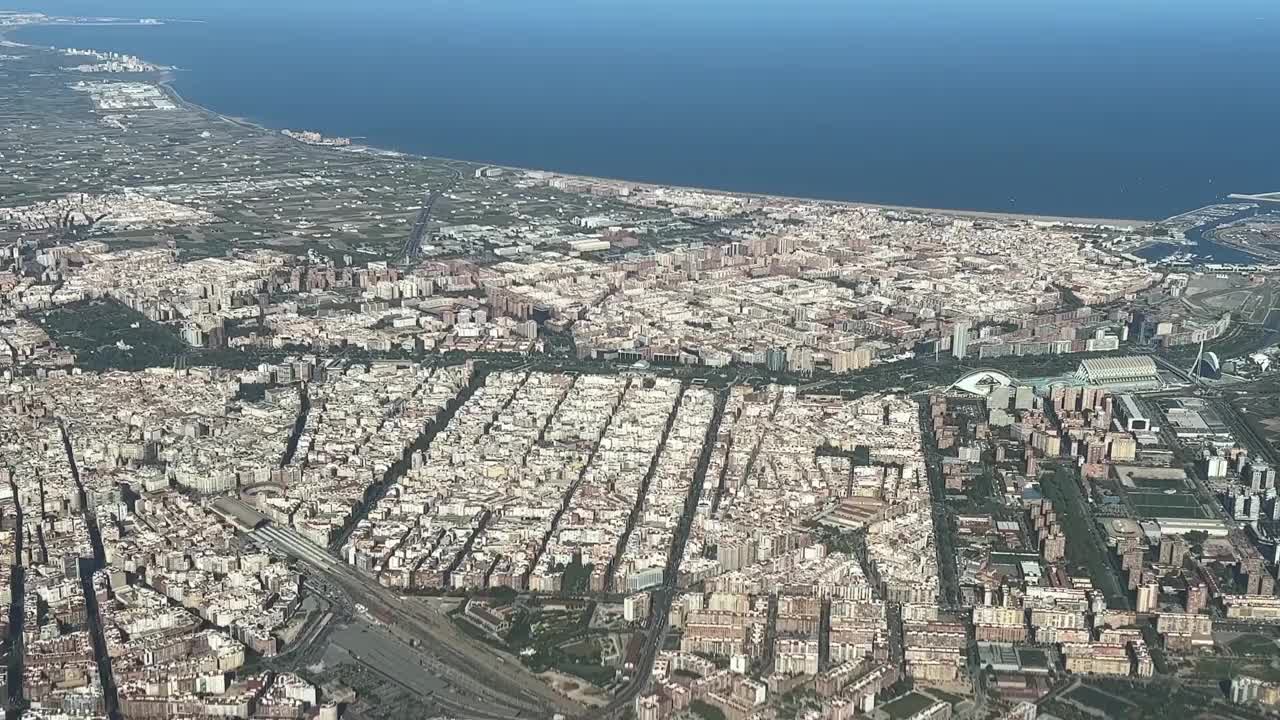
[294, 427]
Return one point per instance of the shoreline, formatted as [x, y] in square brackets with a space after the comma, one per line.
[978, 214]
[373, 150]
[168, 80]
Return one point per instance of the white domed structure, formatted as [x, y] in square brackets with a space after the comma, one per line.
[982, 382]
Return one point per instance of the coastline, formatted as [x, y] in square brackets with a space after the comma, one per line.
[168, 79]
[1120, 224]
[978, 214]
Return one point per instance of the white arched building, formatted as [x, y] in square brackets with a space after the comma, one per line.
[982, 382]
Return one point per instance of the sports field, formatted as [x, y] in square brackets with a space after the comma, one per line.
[1179, 504]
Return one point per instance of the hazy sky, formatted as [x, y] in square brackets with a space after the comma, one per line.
[1045, 15]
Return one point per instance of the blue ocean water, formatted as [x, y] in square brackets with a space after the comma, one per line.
[1096, 108]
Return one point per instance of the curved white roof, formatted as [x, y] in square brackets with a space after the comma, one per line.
[982, 382]
[1107, 369]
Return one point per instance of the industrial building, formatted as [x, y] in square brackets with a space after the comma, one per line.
[1133, 415]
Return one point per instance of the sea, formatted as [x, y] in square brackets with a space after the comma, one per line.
[1127, 109]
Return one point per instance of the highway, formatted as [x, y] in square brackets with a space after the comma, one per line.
[413, 244]
[474, 685]
[1178, 372]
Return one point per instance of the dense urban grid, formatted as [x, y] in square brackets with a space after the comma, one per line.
[291, 427]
